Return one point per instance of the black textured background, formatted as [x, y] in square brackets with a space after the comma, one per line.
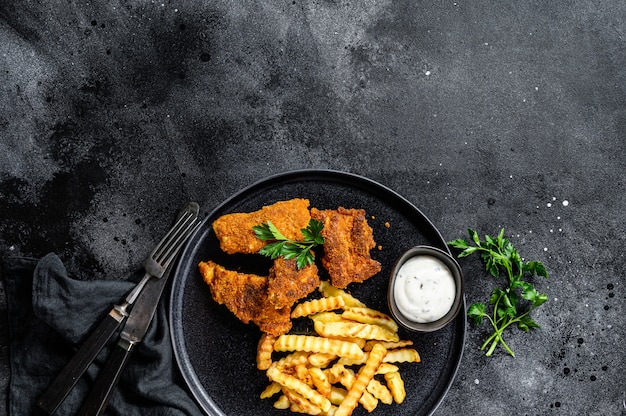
[482, 113]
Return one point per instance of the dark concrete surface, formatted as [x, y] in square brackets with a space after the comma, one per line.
[484, 114]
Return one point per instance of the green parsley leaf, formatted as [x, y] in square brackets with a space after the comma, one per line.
[526, 323]
[511, 304]
[477, 312]
[290, 249]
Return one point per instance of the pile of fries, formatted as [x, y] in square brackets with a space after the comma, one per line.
[351, 359]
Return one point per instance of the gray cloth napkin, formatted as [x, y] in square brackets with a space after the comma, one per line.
[49, 315]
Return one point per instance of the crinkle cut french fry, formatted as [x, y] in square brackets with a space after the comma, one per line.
[291, 360]
[331, 412]
[328, 290]
[380, 391]
[271, 390]
[302, 372]
[354, 329]
[370, 316]
[320, 381]
[321, 360]
[366, 373]
[327, 317]
[299, 387]
[368, 401]
[396, 386]
[312, 307]
[295, 408]
[358, 341]
[282, 403]
[337, 395]
[338, 373]
[389, 345]
[345, 376]
[403, 355]
[317, 344]
[385, 368]
[300, 404]
[264, 351]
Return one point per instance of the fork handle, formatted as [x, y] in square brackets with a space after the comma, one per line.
[50, 400]
[98, 398]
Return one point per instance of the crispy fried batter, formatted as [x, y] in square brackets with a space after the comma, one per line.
[235, 234]
[245, 295]
[287, 284]
[348, 239]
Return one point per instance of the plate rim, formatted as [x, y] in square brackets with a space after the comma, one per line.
[181, 357]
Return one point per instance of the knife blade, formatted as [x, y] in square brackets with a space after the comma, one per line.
[137, 324]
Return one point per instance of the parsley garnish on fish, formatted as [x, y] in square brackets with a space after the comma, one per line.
[290, 249]
[498, 255]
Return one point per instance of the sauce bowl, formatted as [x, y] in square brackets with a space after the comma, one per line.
[445, 263]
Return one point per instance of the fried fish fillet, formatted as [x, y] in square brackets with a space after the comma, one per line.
[235, 234]
[348, 239]
[287, 284]
[245, 295]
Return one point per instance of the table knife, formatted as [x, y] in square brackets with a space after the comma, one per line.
[166, 251]
[136, 326]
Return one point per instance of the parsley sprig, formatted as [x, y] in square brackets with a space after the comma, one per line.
[290, 249]
[498, 254]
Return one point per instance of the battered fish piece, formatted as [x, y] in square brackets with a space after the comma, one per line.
[235, 234]
[245, 295]
[287, 284]
[348, 239]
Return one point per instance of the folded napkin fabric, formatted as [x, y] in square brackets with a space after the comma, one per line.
[50, 314]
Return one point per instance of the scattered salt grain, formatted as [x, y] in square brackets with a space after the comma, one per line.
[477, 381]
[565, 203]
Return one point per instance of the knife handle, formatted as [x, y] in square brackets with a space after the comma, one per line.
[98, 398]
[50, 400]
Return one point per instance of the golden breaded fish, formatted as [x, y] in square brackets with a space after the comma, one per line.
[348, 239]
[235, 234]
[245, 295]
[287, 284]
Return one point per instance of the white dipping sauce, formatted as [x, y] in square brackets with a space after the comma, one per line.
[424, 289]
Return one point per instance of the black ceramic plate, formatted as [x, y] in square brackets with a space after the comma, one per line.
[216, 352]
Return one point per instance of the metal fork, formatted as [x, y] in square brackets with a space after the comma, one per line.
[155, 266]
[164, 253]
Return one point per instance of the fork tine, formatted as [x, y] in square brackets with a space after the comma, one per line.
[167, 237]
[158, 260]
[172, 236]
[166, 257]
